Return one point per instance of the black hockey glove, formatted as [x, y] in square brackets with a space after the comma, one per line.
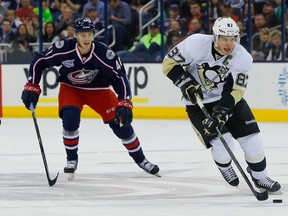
[123, 112]
[217, 120]
[189, 87]
[30, 94]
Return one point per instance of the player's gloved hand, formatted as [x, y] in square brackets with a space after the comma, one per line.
[189, 87]
[30, 94]
[217, 120]
[123, 112]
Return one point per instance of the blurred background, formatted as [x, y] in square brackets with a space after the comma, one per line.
[140, 30]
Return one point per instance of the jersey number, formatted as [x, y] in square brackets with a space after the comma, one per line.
[118, 64]
[176, 55]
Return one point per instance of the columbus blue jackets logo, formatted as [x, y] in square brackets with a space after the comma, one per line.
[212, 76]
[83, 76]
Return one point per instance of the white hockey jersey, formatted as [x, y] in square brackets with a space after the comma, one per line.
[217, 75]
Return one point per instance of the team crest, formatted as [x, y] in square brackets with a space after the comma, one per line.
[110, 54]
[212, 76]
[83, 76]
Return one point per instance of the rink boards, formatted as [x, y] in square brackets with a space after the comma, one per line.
[154, 96]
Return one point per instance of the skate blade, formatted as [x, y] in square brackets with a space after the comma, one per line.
[157, 175]
[70, 176]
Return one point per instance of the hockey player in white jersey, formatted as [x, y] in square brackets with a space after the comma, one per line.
[216, 69]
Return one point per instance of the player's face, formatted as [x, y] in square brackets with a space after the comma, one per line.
[85, 39]
[226, 44]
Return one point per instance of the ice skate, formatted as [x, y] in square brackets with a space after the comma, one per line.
[265, 183]
[70, 169]
[147, 166]
[229, 175]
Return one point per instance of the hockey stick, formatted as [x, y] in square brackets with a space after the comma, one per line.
[261, 196]
[51, 182]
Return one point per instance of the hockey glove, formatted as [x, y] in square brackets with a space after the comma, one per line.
[189, 86]
[123, 112]
[30, 94]
[217, 120]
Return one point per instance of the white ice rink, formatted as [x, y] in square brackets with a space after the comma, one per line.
[109, 183]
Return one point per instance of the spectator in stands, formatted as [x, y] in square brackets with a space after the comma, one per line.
[261, 45]
[22, 31]
[93, 14]
[6, 33]
[259, 22]
[258, 5]
[98, 5]
[275, 52]
[270, 16]
[74, 5]
[227, 11]
[237, 7]
[33, 26]
[147, 49]
[68, 33]
[57, 14]
[176, 28]
[66, 19]
[24, 12]
[246, 21]
[278, 8]
[11, 15]
[147, 12]
[46, 13]
[216, 9]
[2, 12]
[19, 52]
[194, 26]
[176, 38]
[174, 14]
[185, 8]
[195, 11]
[243, 35]
[50, 34]
[120, 17]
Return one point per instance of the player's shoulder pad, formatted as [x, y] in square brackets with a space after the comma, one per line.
[63, 45]
[244, 59]
[104, 51]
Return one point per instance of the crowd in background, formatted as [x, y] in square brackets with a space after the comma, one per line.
[19, 21]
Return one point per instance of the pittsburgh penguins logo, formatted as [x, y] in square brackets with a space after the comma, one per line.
[211, 76]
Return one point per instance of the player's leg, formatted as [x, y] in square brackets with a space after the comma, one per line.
[126, 133]
[218, 151]
[70, 107]
[245, 129]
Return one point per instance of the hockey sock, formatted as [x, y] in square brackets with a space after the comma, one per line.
[70, 140]
[254, 154]
[129, 140]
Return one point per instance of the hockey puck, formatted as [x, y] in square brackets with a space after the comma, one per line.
[277, 200]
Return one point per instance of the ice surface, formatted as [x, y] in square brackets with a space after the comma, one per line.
[108, 182]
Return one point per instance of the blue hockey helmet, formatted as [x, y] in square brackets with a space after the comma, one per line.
[84, 25]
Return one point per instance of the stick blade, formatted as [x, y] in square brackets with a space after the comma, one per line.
[52, 182]
[262, 196]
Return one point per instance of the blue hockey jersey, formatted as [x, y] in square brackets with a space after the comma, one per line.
[99, 70]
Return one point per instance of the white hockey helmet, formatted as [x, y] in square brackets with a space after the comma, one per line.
[225, 26]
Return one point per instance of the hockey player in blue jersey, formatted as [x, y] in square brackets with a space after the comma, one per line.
[88, 70]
